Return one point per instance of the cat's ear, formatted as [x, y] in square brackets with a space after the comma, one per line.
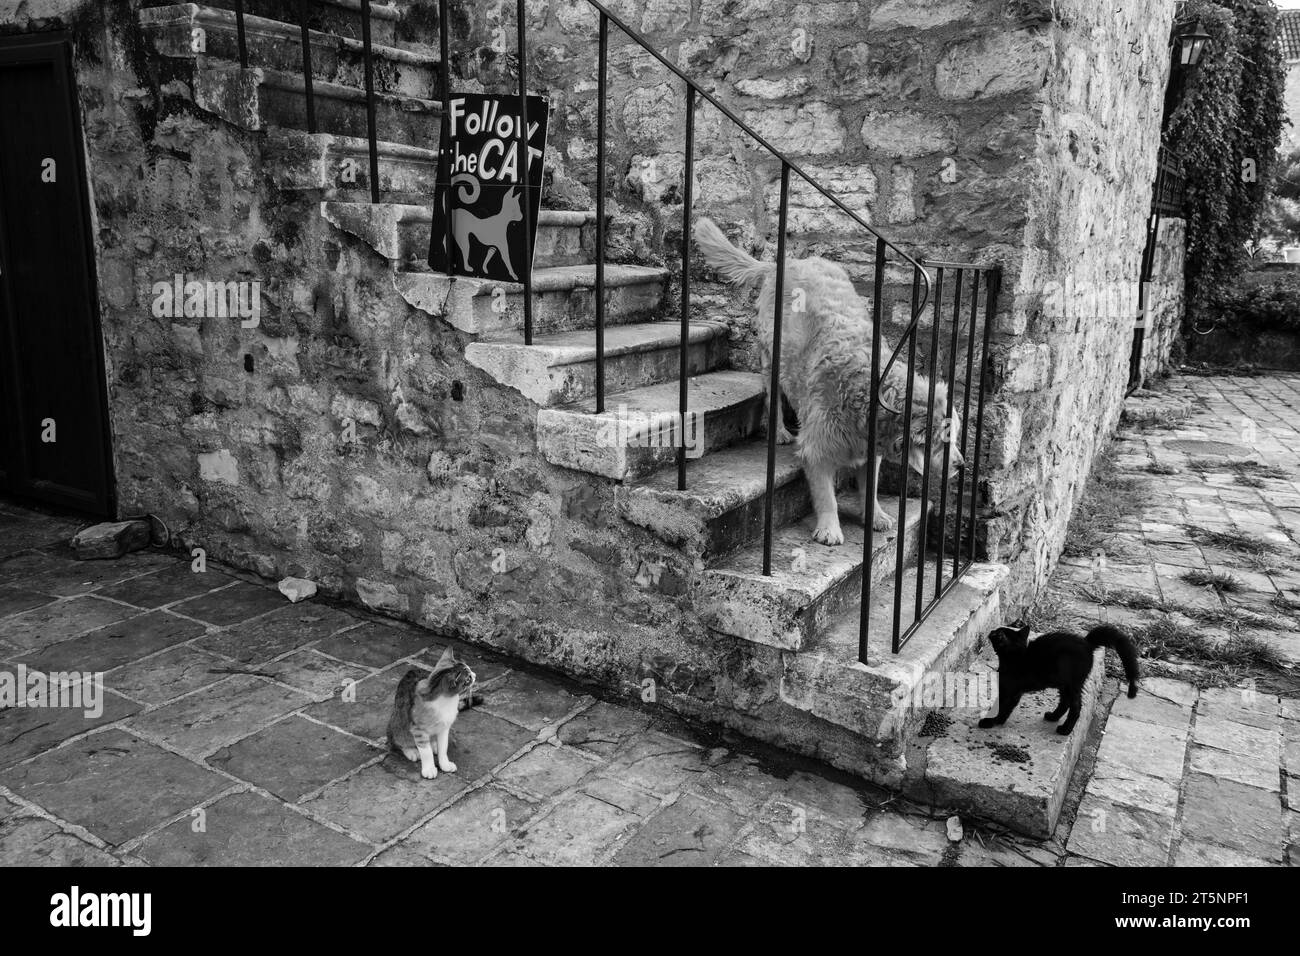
[1023, 632]
[447, 659]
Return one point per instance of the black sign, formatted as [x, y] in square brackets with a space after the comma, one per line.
[480, 141]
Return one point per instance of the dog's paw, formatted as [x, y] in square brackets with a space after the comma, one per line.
[828, 534]
[783, 436]
[883, 522]
[1050, 715]
[1063, 730]
[988, 722]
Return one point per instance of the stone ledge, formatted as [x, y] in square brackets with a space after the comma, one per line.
[1016, 774]
[561, 367]
[883, 699]
[639, 431]
[792, 606]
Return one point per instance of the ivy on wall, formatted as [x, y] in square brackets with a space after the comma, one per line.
[1227, 128]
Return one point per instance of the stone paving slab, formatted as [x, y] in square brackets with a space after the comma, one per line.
[284, 629]
[293, 757]
[168, 675]
[115, 645]
[472, 827]
[32, 841]
[246, 829]
[167, 586]
[15, 599]
[374, 645]
[38, 628]
[243, 601]
[27, 731]
[217, 715]
[1231, 814]
[115, 785]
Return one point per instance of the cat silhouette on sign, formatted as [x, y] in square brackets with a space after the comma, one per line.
[490, 231]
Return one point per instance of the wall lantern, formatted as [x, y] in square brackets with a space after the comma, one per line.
[1191, 45]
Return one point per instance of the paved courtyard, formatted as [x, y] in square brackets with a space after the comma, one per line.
[236, 728]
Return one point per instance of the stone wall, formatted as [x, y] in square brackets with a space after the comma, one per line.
[1067, 337]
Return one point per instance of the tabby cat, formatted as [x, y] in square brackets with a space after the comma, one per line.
[425, 707]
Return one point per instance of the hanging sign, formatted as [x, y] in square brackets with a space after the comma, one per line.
[489, 187]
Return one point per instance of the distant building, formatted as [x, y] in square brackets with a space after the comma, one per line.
[1289, 34]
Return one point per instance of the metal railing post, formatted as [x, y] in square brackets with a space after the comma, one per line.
[601, 106]
[990, 310]
[524, 167]
[964, 469]
[688, 174]
[947, 417]
[239, 29]
[869, 493]
[306, 66]
[444, 134]
[774, 410]
[372, 132]
[923, 526]
[903, 465]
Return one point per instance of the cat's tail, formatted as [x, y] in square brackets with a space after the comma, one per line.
[470, 195]
[1109, 636]
[731, 263]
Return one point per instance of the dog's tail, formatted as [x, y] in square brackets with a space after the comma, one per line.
[1113, 637]
[733, 265]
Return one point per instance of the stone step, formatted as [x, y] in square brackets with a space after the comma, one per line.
[885, 699]
[336, 17]
[563, 299]
[277, 45]
[339, 166]
[258, 98]
[723, 506]
[811, 584]
[640, 429]
[560, 368]
[1017, 774]
[401, 232]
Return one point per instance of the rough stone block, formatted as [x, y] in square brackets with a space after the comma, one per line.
[111, 539]
[297, 589]
[907, 133]
[996, 65]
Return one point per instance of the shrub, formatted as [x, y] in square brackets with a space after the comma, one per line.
[1273, 306]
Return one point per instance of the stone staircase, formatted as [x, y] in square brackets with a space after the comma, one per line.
[803, 619]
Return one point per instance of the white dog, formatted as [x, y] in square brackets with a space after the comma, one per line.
[826, 376]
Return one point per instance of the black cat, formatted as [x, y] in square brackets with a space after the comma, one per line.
[1058, 660]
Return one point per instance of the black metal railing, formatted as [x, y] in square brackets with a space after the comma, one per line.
[1168, 195]
[308, 79]
[945, 432]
